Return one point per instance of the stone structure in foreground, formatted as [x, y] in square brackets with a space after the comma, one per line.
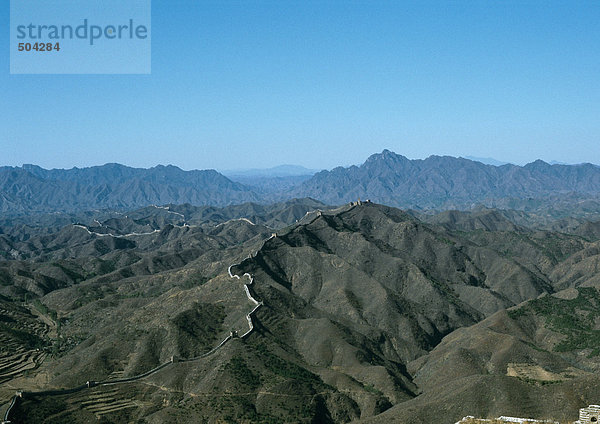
[588, 415]
[472, 420]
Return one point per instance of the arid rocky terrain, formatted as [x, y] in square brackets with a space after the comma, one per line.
[369, 314]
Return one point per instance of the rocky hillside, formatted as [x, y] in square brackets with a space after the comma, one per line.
[368, 314]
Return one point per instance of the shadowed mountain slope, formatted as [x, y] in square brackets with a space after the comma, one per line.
[486, 220]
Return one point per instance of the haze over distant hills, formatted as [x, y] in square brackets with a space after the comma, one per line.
[435, 183]
[277, 171]
[278, 179]
[487, 161]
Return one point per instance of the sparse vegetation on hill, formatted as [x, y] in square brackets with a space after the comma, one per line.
[576, 319]
[370, 314]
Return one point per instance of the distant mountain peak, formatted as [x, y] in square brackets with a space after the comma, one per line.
[539, 165]
[388, 156]
[285, 170]
[487, 161]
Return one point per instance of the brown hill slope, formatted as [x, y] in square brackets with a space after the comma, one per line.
[368, 313]
[537, 360]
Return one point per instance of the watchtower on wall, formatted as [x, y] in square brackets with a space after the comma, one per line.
[589, 415]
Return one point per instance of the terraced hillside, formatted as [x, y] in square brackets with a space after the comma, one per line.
[23, 338]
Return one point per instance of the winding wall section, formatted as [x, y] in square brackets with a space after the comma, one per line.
[89, 384]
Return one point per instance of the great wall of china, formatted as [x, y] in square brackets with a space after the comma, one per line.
[19, 395]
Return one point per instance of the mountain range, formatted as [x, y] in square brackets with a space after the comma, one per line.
[443, 182]
[367, 314]
[435, 183]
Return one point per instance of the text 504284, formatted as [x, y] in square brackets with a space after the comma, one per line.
[39, 47]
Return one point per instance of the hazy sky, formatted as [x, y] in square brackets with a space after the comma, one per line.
[254, 84]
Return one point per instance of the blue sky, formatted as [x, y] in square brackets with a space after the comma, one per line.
[255, 84]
